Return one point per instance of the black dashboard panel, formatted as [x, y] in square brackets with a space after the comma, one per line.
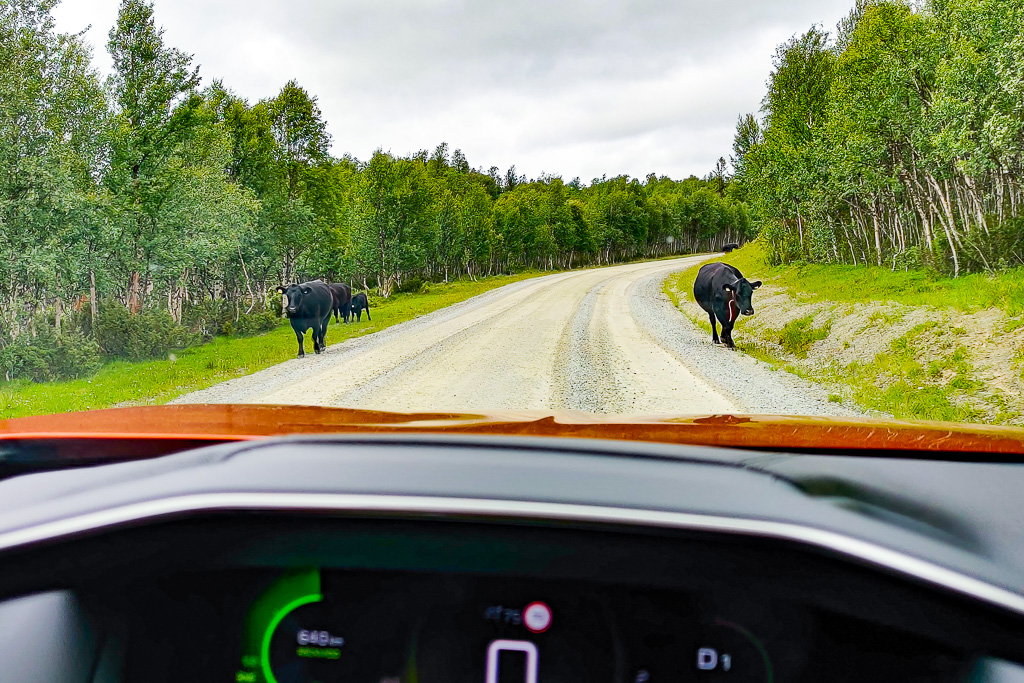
[467, 560]
[307, 625]
[199, 599]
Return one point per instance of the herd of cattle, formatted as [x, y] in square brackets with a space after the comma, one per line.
[720, 289]
[311, 305]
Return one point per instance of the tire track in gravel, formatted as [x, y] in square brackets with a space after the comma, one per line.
[480, 360]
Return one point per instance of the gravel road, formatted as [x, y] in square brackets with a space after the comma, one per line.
[605, 340]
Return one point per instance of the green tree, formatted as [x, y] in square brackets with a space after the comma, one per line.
[155, 99]
[394, 198]
[52, 121]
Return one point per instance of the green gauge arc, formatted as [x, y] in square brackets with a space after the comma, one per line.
[269, 634]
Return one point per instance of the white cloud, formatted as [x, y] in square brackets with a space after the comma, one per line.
[572, 87]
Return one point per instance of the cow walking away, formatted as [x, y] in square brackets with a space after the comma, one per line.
[360, 304]
[342, 300]
[729, 247]
[309, 306]
[723, 292]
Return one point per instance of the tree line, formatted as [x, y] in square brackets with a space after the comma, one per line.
[148, 200]
[898, 142]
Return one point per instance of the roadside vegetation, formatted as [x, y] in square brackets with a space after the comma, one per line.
[179, 371]
[909, 344]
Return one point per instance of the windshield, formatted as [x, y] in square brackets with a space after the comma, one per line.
[636, 208]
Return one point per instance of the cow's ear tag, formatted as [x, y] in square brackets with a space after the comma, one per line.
[727, 288]
[280, 289]
[306, 290]
[755, 284]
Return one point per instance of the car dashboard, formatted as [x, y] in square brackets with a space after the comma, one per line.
[496, 559]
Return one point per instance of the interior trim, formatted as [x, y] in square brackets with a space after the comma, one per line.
[441, 507]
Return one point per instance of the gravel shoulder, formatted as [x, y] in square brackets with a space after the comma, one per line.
[604, 340]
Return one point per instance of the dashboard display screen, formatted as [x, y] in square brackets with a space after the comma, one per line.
[310, 626]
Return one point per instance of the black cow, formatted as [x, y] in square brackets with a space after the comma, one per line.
[359, 304]
[342, 298]
[724, 293]
[729, 247]
[309, 306]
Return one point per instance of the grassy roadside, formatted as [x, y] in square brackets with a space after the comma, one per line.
[157, 381]
[910, 344]
[859, 284]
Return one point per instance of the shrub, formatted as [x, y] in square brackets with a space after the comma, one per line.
[911, 259]
[256, 323]
[23, 359]
[209, 318]
[76, 356]
[148, 334]
[49, 356]
[998, 247]
[413, 284]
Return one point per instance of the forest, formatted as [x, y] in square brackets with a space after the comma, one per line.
[146, 210]
[898, 142]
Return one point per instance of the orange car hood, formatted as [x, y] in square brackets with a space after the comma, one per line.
[156, 430]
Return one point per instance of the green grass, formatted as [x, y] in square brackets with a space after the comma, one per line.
[921, 376]
[798, 335]
[885, 319]
[864, 284]
[151, 382]
[924, 375]
[761, 352]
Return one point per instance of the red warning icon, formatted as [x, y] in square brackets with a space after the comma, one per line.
[537, 617]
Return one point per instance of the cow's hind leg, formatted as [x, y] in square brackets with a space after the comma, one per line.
[324, 324]
[714, 329]
[318, 336]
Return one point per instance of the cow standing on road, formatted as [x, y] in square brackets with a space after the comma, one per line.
[342, 299]
[360, 304]
[309, 306]
[723, 292]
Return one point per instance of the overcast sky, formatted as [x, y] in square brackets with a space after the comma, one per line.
[555, 86]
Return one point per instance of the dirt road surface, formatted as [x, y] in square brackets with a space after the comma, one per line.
[605, 340]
